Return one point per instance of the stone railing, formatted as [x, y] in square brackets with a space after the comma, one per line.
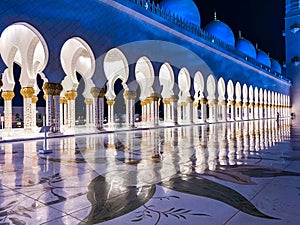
[197, 30]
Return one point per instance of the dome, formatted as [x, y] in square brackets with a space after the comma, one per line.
[221, 31]
[263, 58]
[275, 66]
[246, 47]
[186, 9]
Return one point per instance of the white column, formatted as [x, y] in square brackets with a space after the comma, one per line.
[66, 119]
[87, 102]
[71, 96]
[27, 94]
[195, 112]
[251, 111]
[8, 96]
[238, 110]
[129, 97]
[256, 111]
[33, 110]
[246, 111]
[110, 104]
[212, 110]
[189, 110]
[154, 98]
[174, 102]
[203, 103]
[56, 99]
[61, 106]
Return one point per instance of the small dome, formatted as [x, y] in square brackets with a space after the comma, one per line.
[221, 31]
[246, 47]
[186, 9]
[263, 58]
[275, 66]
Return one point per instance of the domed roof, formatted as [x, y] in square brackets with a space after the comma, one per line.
[221, 31]
[245, 46]
[186, 9]
[275, 66]
[263, 58]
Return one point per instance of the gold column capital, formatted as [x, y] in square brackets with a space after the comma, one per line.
[203, 101]
[27, 92]
[52, 88]
[130, 95]
[63, 100]
[195, 104]
[239, 103]
[88, 101]
[166, 101]
[231, 102]
[8, 95]
[97, 92]
[154, 97]
[34, 99]
[110, 102]
[174, 98]
[189, 99]
[71, 95]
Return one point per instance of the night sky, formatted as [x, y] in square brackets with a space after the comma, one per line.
[260, 21]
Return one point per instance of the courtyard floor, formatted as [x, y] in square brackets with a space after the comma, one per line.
[228, 173]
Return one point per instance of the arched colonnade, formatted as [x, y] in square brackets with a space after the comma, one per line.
[213, 101]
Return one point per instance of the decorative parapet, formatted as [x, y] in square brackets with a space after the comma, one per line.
[295, 28]
[198, 31]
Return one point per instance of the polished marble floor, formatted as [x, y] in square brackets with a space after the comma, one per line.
[230, 173]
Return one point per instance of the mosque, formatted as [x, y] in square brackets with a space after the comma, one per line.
[98, 59]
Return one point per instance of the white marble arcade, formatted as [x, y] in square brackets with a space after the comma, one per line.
[229, 173]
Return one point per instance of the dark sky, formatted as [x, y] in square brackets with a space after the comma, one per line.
[260, 21]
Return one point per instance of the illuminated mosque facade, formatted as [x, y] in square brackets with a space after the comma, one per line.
[168, 67]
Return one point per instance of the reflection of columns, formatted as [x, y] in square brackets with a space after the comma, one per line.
[167, 109]
[203, 102]
[88, 109]
[63, 111]
[27, 94]
[148, 110]
[245, 110]
[33, 110]
[212, 110]
[154, 108]
[8, 96]
[52, 92]
[110, 104]
[238, 110]
[71, 96]
[129, 97]
[174, 103]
